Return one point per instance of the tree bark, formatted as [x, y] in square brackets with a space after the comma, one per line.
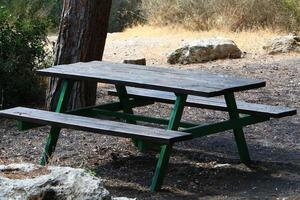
[82, 35]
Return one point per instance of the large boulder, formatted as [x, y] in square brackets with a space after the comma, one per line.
[283, 44]
[205, 50]
[32, 182]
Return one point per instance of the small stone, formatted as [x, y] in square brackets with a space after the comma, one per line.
[141, 61]
[222, 165]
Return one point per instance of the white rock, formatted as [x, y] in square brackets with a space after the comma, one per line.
[222, 165]
[283, 44]
[59, 183]
[205, 50]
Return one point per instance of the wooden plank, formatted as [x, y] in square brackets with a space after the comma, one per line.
[212, 103]
[95, 125]
[158, 78]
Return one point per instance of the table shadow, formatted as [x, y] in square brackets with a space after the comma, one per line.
[202, 172]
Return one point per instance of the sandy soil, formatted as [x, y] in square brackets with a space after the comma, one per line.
[205, 168]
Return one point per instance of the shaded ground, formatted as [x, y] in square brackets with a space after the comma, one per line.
[205, 168]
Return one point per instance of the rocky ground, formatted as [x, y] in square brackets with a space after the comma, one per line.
[205, 168]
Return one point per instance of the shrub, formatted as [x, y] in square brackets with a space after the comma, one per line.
[125, 13]
[21, 54]
[293, 6]
[49, 11]
[234, 15]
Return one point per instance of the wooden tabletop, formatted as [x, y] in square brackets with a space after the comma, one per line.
[158, 78]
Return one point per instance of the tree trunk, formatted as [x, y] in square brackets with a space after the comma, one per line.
[82, 36]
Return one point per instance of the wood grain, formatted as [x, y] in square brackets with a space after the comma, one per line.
[95, 125]
[173, 80]
[211, 103]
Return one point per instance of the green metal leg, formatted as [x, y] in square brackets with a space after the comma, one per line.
[238, 132]
[124, 99]
[177, 112]
[162, 164]
[161, 167]
[54, 132]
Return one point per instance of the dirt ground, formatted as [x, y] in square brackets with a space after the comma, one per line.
[204, 168]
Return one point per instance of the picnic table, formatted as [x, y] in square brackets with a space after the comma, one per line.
[138, 86]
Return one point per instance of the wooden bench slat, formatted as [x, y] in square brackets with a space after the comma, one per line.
[158, 78]
[95, 125]
[211, 103]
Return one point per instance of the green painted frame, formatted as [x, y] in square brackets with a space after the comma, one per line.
[237, 128]
[62, 105]
[126, 104]
[124, 100]
[165, 152]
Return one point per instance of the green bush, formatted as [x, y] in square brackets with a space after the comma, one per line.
[124, 13]
[47, 10]
[21, 54]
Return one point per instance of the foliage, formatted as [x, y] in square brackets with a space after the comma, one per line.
[125, 13]
[293, 6]
[234, 15]
[21, 53]
[46, 10]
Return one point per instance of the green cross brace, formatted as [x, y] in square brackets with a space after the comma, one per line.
[54, 132]
[208, 129]
[124, 100]
[235, 123]
[162, 163]
[109, 109]
[238, 130]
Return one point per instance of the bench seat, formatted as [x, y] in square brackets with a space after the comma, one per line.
[210, 103]
[95, 125]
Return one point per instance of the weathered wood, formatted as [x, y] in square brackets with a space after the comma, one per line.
[158, 78]
[95, 125]
[211, 103]
[82, 36]
[125, 116]
[122, 94]
[141, 61]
